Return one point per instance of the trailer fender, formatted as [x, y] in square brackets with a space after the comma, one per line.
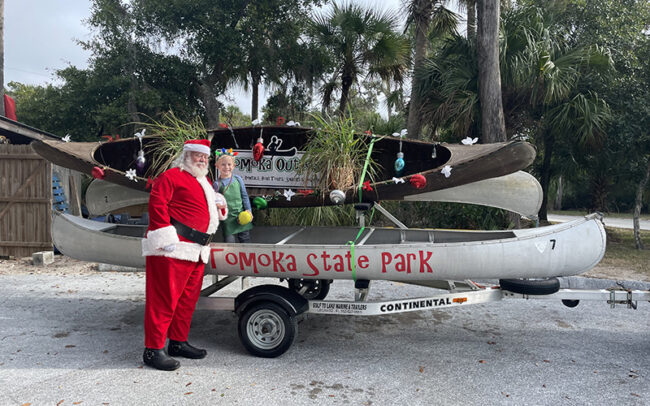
[292, 302]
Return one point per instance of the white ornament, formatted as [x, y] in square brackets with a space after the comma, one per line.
[131, 175]
[337, 196]
[140, 134]
[257, 121]
[288, 193]
[66, 138]
[403, 133]
[398, 180]
[469, 141]
[446, 171]
[293, 123]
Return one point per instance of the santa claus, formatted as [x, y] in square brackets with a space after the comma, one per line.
[184, 213]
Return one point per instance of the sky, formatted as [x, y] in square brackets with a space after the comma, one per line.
[42, 36]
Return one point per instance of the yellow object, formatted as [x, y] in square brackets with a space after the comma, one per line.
[244, 218]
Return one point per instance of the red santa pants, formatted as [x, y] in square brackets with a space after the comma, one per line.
[172, 290]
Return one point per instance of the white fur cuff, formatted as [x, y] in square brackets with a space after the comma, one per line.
[162, 237]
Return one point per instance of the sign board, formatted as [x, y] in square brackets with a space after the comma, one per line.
[278, 168]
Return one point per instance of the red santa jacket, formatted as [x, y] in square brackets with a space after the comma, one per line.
[192, 201]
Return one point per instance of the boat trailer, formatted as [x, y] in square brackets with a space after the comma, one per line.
[268, 313]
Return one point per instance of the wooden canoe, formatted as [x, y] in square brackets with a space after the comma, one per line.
[469, 163]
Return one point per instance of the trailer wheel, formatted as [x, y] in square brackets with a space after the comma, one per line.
[531, 286]
[267, 330]
[311, 289]
[570, 303]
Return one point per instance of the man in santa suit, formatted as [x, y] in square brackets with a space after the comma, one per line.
[183, 215]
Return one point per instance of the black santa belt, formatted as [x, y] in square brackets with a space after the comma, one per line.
[191, 234]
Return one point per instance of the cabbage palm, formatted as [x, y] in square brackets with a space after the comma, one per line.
[541, 76]
[359, 42]
[427, 18]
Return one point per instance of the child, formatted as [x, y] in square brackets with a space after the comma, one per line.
[233, 188]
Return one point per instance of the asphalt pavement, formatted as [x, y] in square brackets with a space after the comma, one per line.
[616, 222]
[78, 340]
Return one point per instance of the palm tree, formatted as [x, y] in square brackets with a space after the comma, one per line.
[541, 86]
[493, 124]
[359, 42]
[424, 16]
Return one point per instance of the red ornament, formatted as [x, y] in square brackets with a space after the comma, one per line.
[150, 183]
[109, 138]
[223, 125]
[366, 186]
[98, 173]
[305, 192]
[368, 132]
[280, 120]
[258, 150]
[418, 181]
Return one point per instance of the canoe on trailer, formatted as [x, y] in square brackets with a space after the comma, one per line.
[277, 169]
[411, 255]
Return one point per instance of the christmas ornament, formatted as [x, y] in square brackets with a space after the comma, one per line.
[131, 175]
[260, 203]
[258, 149]
[418, 181]
[337, 196]
[244, 218]
[98, 173]
[399, 164]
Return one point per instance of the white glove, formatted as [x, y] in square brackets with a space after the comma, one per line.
[169, 248]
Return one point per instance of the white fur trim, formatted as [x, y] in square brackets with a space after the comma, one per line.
[187, 251]
[210, 197]
[159, 238]
[197, 148]
[223, 213]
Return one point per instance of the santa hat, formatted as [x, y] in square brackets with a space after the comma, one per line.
[202, 146]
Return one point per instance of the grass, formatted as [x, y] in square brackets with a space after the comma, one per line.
[622, 253]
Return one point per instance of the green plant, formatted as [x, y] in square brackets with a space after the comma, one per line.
[171, 133]
[335, 154]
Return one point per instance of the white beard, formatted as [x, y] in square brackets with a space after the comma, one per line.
[194, 170]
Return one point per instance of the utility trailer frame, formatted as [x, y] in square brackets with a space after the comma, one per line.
[267, 313]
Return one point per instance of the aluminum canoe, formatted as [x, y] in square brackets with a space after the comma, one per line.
[411, 255]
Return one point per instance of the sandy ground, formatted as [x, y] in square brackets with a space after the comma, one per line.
[65, 265]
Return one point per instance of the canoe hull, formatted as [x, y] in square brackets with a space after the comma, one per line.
[469, 164]
[559, 250]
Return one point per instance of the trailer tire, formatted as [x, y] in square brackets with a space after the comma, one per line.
[267, 330]
[531, 286]
[317, 289]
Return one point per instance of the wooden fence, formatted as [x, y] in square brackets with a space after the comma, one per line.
[25, 201]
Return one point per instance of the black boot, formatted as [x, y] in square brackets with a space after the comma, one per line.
[184, 349]
[159, 359]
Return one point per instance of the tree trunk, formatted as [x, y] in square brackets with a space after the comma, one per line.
[638, 202]
[558, 195]
[471, 20]
[2, 58]
[255, 102]
[211, 104]
[422, 22]
[493, 124]
[346, 84]
[545, 173]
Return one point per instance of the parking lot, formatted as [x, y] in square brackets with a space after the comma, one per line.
[77, 338]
